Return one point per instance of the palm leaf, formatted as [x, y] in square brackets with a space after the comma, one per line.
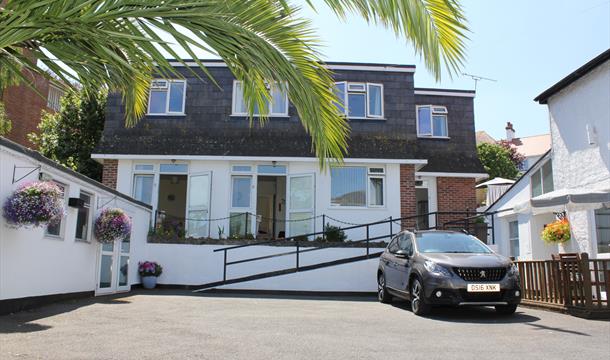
[117, 44]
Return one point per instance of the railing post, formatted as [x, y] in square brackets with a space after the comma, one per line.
[493, 229]
[391, 227]
[467, 221]
[367, 240]
[246, 227]
[324, 227]
[297, 252]
[585, 272]
[224, 270]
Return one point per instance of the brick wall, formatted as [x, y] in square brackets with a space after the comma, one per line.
[24, 107]
[455, 194]
[109, 173]
[408, 206]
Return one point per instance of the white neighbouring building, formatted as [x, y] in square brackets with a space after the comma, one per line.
[574, 176]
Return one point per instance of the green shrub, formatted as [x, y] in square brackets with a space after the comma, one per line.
[334, 233]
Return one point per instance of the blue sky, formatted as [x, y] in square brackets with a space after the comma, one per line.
[526, 46]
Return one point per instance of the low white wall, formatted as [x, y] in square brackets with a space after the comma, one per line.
[199, 264]
[34, 264]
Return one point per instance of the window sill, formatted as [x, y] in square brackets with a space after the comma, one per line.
[166, 114]
[367, 118]
[257, 116]
[82, 241]
[433, 137]
[53, 237]
[333, 207]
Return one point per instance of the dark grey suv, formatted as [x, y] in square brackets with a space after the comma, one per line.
[446, 268]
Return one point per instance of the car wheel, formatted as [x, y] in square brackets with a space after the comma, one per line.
[418, 306]
[506, 309]
[382, 291]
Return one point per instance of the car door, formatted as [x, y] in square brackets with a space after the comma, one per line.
[403, 265]
[388, 260]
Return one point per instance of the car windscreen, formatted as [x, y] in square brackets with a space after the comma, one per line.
[444, 242]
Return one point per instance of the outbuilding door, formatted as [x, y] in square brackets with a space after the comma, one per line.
[113, 267]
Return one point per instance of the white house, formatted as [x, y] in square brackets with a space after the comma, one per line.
[574, 177]
[43, 264]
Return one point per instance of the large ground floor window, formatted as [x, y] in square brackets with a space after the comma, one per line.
[357, 186]
[602, 226]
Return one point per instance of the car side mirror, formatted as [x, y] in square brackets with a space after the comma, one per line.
[402, 254]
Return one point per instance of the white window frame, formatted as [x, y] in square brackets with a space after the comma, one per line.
[62, 223]
[90, 215]
[269, 105]
[54, 97]
[367, 106]
[512, 239]
[369, 175]
[368, 99]
[540, 170]
[444, 113]
[167, 112]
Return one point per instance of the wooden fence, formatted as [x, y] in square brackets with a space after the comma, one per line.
[570, 282]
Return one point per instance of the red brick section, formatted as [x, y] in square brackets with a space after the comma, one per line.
[109, 173]
[408, 206]
[24, 107]
[455, 194]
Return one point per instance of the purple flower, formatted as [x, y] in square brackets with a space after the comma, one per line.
[111, 225]
[35, 203]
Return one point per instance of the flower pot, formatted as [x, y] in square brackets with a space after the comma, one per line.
[149, 282]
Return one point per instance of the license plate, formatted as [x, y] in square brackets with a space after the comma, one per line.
[483, 287]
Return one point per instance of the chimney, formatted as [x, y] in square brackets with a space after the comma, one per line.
[510, 132]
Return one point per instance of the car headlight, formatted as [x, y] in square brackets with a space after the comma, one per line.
[513, 270]
[436, 269]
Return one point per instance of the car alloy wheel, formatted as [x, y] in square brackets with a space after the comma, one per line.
[382, 292]
[417, 304]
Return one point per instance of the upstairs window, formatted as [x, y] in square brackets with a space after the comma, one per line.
[432, 121]
[542, 180]
[277, 106]
[359, 100]
[166, 97]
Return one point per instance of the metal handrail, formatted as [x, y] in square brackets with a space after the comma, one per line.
[368, 239]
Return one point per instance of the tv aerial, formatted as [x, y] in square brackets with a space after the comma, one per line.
[478, 78]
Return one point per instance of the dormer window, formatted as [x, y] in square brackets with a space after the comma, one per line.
[432, 121]
[278, 106]
[166, 97]
[360, 100]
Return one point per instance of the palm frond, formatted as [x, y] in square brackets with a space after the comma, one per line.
[117, 44]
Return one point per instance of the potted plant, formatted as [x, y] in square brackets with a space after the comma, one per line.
[111, 225]
[557, 232]
[149, 271]
[36, 203]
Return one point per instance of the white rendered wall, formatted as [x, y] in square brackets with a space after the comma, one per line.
[33, 264]
[581, 155]
[576, 163]
[199, 264]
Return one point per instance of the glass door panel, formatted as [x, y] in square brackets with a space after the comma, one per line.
[301, 191]
[198, 205]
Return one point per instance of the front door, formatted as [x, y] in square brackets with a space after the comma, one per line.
[301, 204]
[113, 270]
[198, 205]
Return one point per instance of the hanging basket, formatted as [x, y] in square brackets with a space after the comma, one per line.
[38, 203]
[111, 225]
[557, 232]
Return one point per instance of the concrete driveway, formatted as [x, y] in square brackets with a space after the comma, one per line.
[181, 325]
